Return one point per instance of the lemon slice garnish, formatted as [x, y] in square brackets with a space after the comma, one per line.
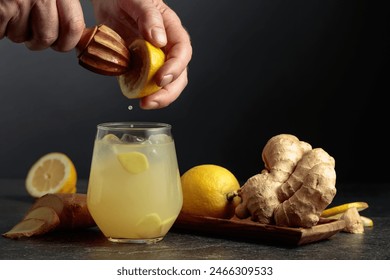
[367, 222]
[149, 226]
[111, 138]
[133, 162]
[52, 173]
[145, 61]
[337, 211]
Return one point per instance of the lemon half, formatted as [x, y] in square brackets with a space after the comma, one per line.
[145, 61]
[52, 173]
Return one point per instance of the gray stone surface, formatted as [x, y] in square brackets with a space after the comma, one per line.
[91, 244]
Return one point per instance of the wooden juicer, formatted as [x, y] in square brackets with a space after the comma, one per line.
[103, 51]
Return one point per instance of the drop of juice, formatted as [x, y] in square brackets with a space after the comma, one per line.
[130, 107]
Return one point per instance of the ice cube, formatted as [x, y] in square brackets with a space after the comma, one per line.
[153, 154]
[128, 138]
[160, 139]
[104, 146]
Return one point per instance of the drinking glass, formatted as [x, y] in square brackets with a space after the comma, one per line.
[134, 191]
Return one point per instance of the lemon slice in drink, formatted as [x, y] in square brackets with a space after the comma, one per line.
[145, 61]
[337, 211]
[149, 226]
[167, 224]
[52, 173]
[133, 162]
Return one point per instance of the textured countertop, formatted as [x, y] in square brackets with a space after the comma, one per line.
[90, 244]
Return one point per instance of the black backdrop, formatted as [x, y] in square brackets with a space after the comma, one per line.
[316, 69]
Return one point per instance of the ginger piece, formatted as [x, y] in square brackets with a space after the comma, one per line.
[353, 221]
[43, 213]
[297, 184]
[53, 212]
[27, 228]
[304, 207]
[257, 200]
[40, 220]
[310, 159]
[259, 193]
[71, 209]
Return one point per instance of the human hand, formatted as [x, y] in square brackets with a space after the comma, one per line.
[161, 26]
[42, 24]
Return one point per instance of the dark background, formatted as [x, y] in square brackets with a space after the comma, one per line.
[316, 69]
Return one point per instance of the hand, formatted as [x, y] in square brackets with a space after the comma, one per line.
[41, 24]
[160, 25]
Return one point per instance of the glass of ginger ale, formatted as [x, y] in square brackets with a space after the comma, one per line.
[134, 190]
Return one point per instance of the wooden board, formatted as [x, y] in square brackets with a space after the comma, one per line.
[248, 230]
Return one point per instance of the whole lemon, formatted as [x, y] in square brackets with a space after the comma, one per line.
[209, 190]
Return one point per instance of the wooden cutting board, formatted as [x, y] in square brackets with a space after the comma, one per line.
[248, 230]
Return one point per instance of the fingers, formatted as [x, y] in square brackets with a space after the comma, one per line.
[148, 16]
[71, 24]
[44, 24]
[176, 62]
[157, 23]
[14, 21]
[178, 49]
[166, 95]
[161, 26]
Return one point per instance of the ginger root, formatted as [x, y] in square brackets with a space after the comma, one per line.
[293, 189]
[53, 212]
[353, 221]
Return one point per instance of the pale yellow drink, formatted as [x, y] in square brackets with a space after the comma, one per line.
[134, 191]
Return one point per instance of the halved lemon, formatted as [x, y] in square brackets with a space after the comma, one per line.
[52, 173]
[337, 211]
[145, 61]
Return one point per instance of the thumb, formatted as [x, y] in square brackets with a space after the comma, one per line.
[149, 19]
